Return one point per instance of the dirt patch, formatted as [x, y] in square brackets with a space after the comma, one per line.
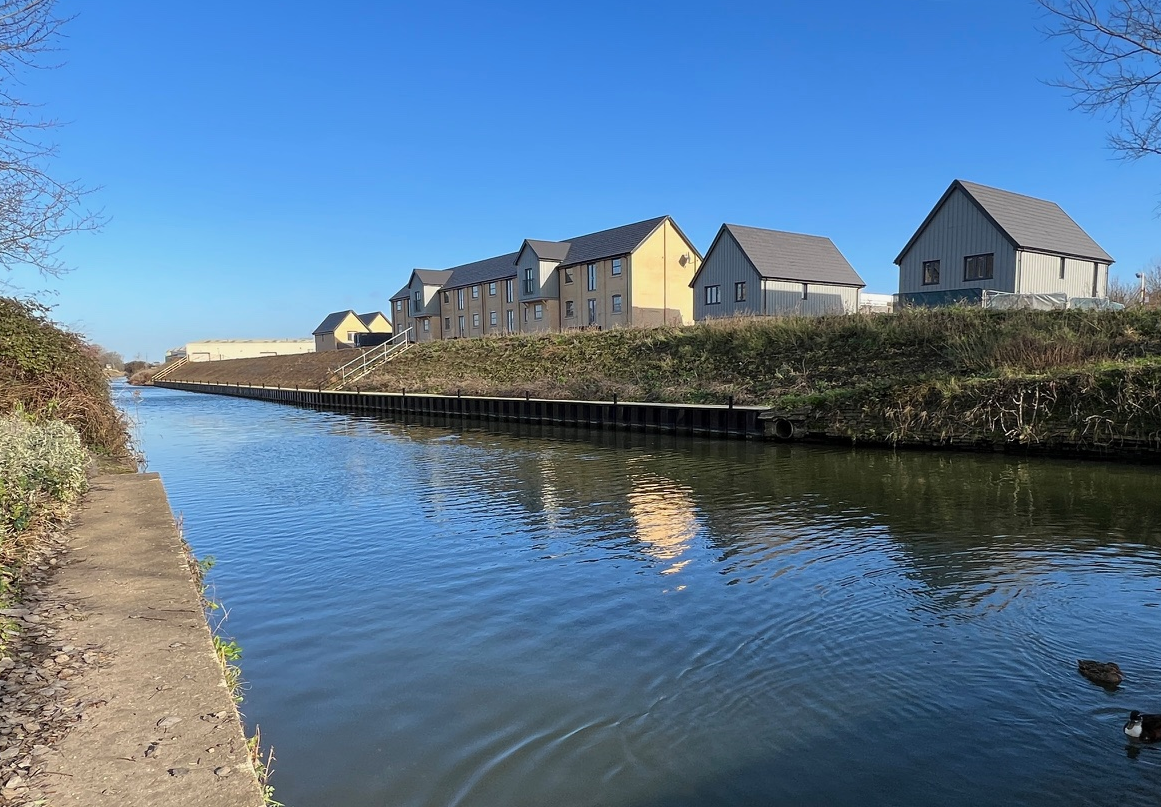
[305, 370]
[128, 658]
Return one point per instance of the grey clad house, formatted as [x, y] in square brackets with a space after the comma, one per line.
[752, 271]
[979, 239]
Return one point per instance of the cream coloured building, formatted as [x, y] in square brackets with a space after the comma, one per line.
[223, 349]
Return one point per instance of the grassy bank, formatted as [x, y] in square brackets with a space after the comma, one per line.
[936, 376]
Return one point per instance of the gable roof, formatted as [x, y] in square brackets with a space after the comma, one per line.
[546, 250]
[779, 255]
[1027, 222]
[333, 321]
[367, 319]
[430, 277]
[609, 243]
[469, 274]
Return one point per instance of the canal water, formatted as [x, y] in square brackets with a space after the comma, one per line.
[452, 614]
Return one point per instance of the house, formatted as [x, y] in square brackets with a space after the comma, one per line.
[416, 305]
[753, 271]
[978, 238]
[339, 330]
[224, 349]
[479, 298]
[634, 275]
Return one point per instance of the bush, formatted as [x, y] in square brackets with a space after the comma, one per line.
[40, 464]
[50, 372]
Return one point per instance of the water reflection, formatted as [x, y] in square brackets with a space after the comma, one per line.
[439, 613]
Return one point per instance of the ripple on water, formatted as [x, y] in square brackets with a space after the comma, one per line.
[437, 616]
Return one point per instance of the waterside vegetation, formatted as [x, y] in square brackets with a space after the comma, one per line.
[930, 376]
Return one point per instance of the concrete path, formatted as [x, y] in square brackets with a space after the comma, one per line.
[160, 727]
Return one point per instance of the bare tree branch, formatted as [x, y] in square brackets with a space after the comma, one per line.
[1114, 58]
[36, 209]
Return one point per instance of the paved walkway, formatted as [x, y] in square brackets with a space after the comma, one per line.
[159, 728]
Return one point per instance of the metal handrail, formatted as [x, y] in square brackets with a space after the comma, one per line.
[358, 367]
[167, 370]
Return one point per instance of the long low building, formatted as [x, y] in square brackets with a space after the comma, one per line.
[222, 349]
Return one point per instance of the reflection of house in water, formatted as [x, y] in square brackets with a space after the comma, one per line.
[664, 517]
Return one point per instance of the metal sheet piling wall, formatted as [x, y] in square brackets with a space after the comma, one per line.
[707, 420]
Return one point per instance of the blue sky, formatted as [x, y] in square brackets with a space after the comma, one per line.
[266, 163]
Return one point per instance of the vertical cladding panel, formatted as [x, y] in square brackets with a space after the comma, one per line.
[784, 298]
[959, 229]
[1040, 274]
[724, 266]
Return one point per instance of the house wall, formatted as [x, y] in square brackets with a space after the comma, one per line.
[338, 338]
[784, 298]
[398, 310]
[659, 281]
[222, 349]
[379, 324]
[724, 266]
[957, 230]
[608, 284]
[1040, 273]
[544, 273]
[550, 323]
[481, 306]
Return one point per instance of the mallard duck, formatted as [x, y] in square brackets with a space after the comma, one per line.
[1146, 728]
[1105, 673]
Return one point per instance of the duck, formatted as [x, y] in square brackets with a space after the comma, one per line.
[1146, 728]
[1105, 673]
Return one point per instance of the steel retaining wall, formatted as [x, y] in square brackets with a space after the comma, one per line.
[708, 420]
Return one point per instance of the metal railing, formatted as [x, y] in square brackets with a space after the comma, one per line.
[370, 360]
[164, 371]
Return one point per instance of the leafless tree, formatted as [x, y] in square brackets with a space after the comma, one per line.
[36, 209]
[1114, 57]
[1143, 290]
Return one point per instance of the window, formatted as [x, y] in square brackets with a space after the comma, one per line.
[526, 313]
[492, 289]
[418, 300]
[476, 320]
[568, 275]
[616, 266]
[538, 311]
[509, 292]
[569, 309]
[713, 295]
[398, 305]
[494, 319]
[510, 320]
[461, 324]
[447, 323]
[460, 300]
[592, 281]
[351, 336]
[592, 312]
[978, 267]
[475, 292]
[740, 292]
[1062, 260]
[447, 297]
[930, 273]
[803, 291]
[529, 280]
[426, 324]
[616, 304]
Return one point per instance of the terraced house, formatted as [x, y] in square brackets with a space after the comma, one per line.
[636, 274]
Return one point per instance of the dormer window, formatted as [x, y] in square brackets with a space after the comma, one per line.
[529, 280]
[418, 300]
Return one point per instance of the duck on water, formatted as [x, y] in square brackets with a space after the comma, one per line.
[1143, 727]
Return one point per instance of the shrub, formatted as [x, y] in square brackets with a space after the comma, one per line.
[40, 463]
